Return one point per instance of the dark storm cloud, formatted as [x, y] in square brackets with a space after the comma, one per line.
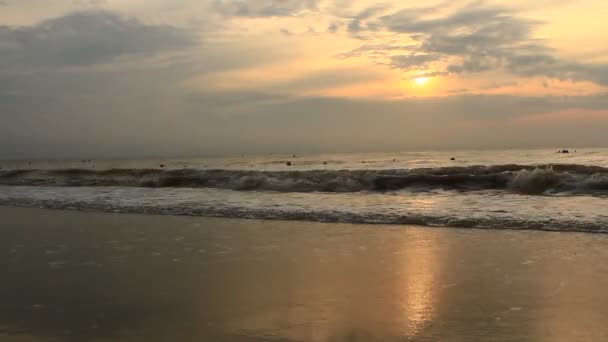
[480, 37]
[263, 8]
[84, 38]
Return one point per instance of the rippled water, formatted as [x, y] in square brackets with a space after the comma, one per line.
[350, 161]
[520, 189]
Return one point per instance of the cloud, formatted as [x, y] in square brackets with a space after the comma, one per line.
[137, 113]
[89, 2]
[358, 22]
[246, 91]
[473, 38]
[319, 124]
[565, 117]
[376, 50]
[85, 38]
[322, 80]
[413, 60]
[333, 27]
[263, 8]
[482, 37]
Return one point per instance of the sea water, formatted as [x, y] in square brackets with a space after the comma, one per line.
[518, 189]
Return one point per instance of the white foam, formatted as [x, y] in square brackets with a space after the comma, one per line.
[481, 209]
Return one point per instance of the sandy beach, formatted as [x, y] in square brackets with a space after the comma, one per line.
[85, 276]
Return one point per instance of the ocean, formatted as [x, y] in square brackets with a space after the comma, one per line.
[514, 189]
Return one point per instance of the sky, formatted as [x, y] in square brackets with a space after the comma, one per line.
[134, 78]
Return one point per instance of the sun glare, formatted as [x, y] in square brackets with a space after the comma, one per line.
[421, 80]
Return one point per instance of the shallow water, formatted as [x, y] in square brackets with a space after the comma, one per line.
[107, 277]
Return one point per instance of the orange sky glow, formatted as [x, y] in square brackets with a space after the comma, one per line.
[205, 68]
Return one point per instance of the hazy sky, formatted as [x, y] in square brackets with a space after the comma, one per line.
[199, 77]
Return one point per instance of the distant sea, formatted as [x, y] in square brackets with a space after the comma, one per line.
[516, 189]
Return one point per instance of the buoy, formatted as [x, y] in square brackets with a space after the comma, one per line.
[288, 163]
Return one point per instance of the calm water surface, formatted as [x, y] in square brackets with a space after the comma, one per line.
[78, 276]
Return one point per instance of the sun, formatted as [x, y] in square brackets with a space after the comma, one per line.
[421, 80]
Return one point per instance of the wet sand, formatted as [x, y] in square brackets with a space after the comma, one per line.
[79, 276]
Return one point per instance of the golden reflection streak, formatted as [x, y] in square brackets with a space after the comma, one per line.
[423, 266]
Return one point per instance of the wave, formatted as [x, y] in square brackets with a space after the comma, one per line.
[524, 179]
[330, 216]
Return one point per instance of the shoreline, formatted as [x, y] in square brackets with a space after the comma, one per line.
[305, 220]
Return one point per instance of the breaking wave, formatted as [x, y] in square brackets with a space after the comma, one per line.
[490, 220]
[524, 179]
